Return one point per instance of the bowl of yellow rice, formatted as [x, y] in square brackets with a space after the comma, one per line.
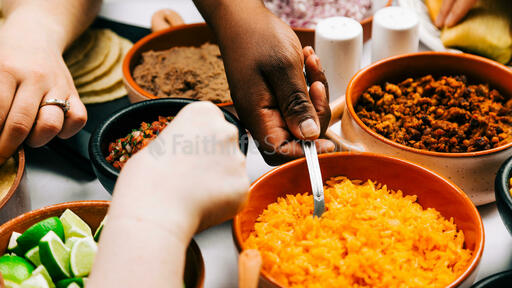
[388, 223]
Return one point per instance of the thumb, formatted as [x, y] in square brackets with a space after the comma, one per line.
[289, 87]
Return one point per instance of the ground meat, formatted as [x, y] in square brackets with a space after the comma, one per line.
[446, 114]
[184, 72]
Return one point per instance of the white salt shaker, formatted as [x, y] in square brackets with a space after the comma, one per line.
[395, 31]
[339, 45]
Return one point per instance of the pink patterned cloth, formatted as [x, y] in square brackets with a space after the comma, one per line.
[307, 13]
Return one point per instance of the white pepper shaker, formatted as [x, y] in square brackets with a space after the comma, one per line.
[339, 45]
[395, 31]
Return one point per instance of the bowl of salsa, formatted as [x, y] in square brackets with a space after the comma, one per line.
[132, 128]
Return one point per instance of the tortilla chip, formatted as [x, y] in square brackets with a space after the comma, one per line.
[112, 93]
[112, 77]
[96, 56]
[80, 48]
[114, 56]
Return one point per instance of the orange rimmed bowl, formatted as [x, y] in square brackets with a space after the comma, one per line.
[17, 199]
[93, 212]
[181, 35]
[433, 191]
[474, 172]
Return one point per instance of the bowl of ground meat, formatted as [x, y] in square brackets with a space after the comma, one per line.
[449, 112]
[183, 61]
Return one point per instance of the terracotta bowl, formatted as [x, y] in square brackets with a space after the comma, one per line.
[182, 35]
[17, 199]
[502, 192]
[93, 212]
[474, 172]
[123, 121]
[432, 190]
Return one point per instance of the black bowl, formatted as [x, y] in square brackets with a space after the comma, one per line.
[498, 280]
[122, 122]
[502, 192]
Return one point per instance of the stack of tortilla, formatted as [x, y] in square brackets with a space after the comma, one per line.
[486, 29]
[95, 62]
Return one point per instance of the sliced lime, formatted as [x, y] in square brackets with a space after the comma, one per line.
[35, 281]
[54, 256]
[71, 241]
[33, 256]
[82, 256]
[100, 228]
[30, 238]
[74, 226]
[66, 282]
[10, 284]
[12, 241]
[15, 268]
[42, 270]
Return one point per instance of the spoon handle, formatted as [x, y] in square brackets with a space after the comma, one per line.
[315, 177]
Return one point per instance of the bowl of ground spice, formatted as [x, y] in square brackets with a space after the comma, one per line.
[449, 112]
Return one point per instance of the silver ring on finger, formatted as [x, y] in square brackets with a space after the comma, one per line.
[63, 104]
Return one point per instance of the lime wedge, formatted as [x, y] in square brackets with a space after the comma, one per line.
[74, 226]
[66, 282]
[30, 238]
[33, 256]
[71, 241]
[12, 241]
[54, 256]
[73, 285]
[35, 281]
[15, 268]
[82, 256]
[10, 284]
[100, 228]
[42, 270]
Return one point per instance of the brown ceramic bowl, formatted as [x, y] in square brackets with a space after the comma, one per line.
[17, 199]
[93, 212]
[432, 190]
[474, 172]
[182, 35]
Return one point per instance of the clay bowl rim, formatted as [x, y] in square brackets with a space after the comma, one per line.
[369, 69]
[19, 175]
[480, 243]
[4, 228]
[127, 74]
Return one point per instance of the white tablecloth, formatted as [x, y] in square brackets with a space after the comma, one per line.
[53, 179]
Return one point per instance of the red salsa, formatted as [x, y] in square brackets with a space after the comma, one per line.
[121, 149]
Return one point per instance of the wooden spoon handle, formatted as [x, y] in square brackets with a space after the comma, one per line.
[337, 109]
[249, 266]
[165, 18]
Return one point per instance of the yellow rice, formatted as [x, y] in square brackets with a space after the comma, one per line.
[369, 236]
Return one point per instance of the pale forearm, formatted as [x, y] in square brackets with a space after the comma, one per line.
[56, 22]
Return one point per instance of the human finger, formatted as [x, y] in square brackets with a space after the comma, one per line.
[443, 13]
[7, 90]
[21, 118]
[288, 85]
[49, 121]
[75, 118]
[459, 10]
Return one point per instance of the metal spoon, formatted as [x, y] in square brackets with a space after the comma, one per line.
[315, 176]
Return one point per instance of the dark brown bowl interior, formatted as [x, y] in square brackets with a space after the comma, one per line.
[93, 212]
